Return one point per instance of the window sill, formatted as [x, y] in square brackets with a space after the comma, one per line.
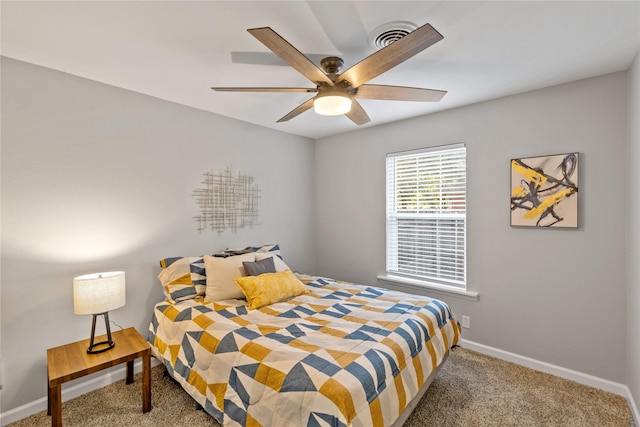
[413, 284]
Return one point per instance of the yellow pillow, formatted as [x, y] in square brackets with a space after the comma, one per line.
[269, 288]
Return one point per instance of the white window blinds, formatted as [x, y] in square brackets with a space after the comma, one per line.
[426, 215]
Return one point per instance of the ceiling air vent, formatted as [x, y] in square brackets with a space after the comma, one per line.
[388, 33]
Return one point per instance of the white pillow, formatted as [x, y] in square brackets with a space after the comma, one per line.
[221, 273]
[277, 261]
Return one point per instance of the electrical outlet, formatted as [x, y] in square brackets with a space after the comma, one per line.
[466, 322]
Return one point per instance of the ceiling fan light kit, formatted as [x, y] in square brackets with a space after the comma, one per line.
[337, 93]
[331, 105]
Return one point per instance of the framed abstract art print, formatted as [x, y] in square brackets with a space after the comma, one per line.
[544, 191]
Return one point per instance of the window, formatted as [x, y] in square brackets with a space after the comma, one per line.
[426, 215]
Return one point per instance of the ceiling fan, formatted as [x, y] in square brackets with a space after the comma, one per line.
[337, 92]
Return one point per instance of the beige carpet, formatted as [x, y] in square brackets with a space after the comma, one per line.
[470, 390]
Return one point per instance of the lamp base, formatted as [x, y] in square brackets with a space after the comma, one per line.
[98, 347]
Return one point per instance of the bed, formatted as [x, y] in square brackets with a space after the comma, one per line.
[336, 354]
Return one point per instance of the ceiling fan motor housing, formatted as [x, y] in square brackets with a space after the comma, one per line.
[332, 64]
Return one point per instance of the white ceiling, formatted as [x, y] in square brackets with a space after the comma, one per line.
[177, 50]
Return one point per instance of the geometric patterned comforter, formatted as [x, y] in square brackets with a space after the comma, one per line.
[342, 355]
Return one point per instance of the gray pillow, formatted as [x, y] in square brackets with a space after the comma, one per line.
[259, 267]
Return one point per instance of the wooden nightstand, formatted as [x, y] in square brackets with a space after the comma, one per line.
[72, 361]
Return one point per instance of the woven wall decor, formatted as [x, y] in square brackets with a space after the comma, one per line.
[227, 202]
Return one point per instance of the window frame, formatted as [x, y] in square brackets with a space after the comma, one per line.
[428, 214]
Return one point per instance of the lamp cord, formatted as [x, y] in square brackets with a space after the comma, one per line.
[111, 321]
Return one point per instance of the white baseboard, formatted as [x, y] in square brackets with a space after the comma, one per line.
[579, 377]
[75, 390]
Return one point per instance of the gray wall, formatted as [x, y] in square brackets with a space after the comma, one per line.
[633, 220]
[96, 178]
[553, 295]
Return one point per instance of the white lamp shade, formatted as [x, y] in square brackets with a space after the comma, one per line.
[98, 292]
[332, 105]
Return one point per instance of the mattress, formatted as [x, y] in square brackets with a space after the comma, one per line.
[342, 355]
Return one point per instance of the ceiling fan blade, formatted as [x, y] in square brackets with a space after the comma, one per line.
[298, 110]
[269, 58]
[264, 89]
[357, 113]
[391, 55]
[290, 54]
[399, 93]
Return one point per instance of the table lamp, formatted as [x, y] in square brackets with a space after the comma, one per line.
[97, 294]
